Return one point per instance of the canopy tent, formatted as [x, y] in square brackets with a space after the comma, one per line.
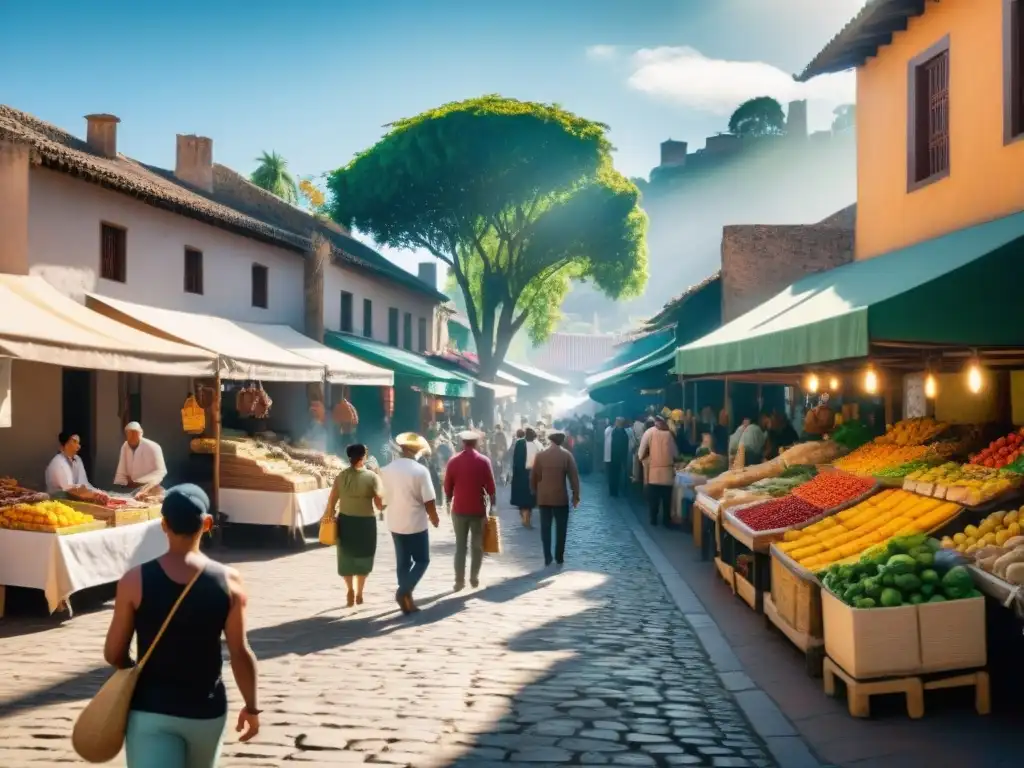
[660, 357]
[534, 376]
[633, 351]
[243, 354]
[409, 368]
[649, 372]
[341, 368]
[41, 324]
[953, 290]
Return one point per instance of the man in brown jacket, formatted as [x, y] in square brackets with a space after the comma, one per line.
[552, 469]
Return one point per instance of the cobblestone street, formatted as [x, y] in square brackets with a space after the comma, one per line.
[593, 664]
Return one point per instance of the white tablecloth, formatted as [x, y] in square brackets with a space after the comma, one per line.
[63, 565]
[295, 510]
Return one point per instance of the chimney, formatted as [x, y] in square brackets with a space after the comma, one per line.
[428, 273]
[101, 134]
[673, 153]
[193, 162]
[796, 120]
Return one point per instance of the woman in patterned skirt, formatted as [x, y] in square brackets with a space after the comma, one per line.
[356, 497]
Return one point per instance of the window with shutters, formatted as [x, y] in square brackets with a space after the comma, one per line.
[346, 312]
[393, 326]
[193, 271]
[113, 253]
[422, 346]
[1013, 71]
[260, 286]
[928, 134]
[367, 318]
[407, 331]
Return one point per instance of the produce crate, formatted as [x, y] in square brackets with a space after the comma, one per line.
[906, 640]
[726, 572]
[812, 646]
[113, 518]
[751, 590]
[710, 537]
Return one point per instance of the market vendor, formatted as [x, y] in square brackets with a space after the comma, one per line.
[66, 472]
[141, 463]
[752, 438]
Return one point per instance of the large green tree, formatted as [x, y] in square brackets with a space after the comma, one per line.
[518, 199]
[761, 116]
[272, 175]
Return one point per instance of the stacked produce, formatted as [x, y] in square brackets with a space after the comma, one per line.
[830, 490]
[996, 530]
[1001, 452]
[813, 452]
[969, 484]
[45, 516]
[709, 465]
[849, 533]
[261, 466]
[874, 457]
[902, 470]
[769, 488]
[913, 432]
[11, 493]
[777, 513]
[906, 570]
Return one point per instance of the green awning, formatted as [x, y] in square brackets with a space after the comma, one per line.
[660, 357]
[958, 289]
[633, 351]
[410, 369]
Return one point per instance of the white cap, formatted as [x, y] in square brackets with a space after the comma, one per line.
[469, 436]
[556, 433]
[133, 426]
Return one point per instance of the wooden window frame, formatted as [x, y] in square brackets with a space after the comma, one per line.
[1013, 71]
[367, 318]
[913, 68]
[350, 325]
[394, 327]
[123, 231]
[421, 337]
[189, 250]
[265, 271]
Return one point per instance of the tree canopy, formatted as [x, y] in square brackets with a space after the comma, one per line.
[517, 198]
[761, 116]
[272, 175]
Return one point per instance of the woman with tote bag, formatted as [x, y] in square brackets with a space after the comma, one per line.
[177, 606]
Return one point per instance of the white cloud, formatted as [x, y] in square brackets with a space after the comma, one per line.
[602, 52]
[687, 77]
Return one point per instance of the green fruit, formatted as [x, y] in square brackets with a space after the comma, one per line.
[864, 602]
[936, 599]
[891, 598]
[929, 576]
[916, 599]
[901, 564]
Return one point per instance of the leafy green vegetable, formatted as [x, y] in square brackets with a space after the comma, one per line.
[907, 582]
[901, 564]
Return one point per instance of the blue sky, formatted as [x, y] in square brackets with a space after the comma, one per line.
[316, 80]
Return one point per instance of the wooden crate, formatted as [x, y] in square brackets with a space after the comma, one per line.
[796, 596]
[726, 572]
[812, 647]
[745, 590]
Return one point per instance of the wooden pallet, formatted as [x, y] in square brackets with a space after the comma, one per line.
[859, 692]
[812, 647]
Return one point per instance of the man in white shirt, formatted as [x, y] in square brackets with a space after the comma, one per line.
[141, 462]
[410, 500]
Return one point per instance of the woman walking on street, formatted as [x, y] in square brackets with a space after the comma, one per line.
[179, 708]
[355, 499]
[525, 451]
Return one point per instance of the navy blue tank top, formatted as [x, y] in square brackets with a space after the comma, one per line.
[183, 676]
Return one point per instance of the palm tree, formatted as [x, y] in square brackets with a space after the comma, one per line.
[272, 175]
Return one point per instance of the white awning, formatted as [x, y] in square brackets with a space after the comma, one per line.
[500, 390]
[39, 323]
[243, 354]
[341, 368]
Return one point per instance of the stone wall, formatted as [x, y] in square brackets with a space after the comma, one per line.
[759, 261]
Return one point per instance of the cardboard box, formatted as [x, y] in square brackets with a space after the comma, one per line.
[908, 640]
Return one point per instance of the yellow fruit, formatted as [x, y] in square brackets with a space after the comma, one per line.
[1013, 529]
[989, 538]
[1011, 517]
[971, 541]
[986, 527]
[971, 531]
[1001, 537]
[947, 542]
[960, 538]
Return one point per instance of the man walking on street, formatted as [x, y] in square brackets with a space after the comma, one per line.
[553, 468]
[616, 454]
[409, 494]
[468, 485]
[658, 449]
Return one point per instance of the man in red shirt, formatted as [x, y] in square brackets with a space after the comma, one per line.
[468, 485]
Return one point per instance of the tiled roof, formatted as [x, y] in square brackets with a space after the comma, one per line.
[861, 38]
[236, 205]
[656, 322]
[574, 352]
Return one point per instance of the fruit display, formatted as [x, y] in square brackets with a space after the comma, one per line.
[45, 516]
[275, 467]
[775, 514]
[900, 471]
[12, 493]
[999, 453]
[996, 530]
[913, 432]
[830, 490]
[969, 484]
[872, 458]
[906, 570]
[708, 465]
[848, 534]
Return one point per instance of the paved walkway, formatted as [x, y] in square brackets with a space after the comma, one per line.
[594, 664]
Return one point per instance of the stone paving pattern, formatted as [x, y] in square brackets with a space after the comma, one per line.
[589, 665]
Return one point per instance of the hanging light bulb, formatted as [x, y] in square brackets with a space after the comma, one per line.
[931, 386]
[871, 381]
[812, 384]
[833, 383]
[975, 379]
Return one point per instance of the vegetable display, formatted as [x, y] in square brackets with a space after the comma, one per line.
[851, 532]
[874, 457]
[996, 530]
[852, 434]
[904, 571]
[913, 432]
[1001, 452]
[708, 465]
[902, 470]
[832, 489]
[777, 513]
[970, 484]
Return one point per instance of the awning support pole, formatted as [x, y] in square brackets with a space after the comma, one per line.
[216, 450]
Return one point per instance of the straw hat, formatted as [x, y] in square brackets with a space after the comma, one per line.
[413, 442]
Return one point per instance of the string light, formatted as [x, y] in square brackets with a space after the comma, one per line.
[871, 381]
[931, 386]
[812, 383]
[975, 379]
[833, 384]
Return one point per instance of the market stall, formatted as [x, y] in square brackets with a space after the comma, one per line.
[47, 544]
